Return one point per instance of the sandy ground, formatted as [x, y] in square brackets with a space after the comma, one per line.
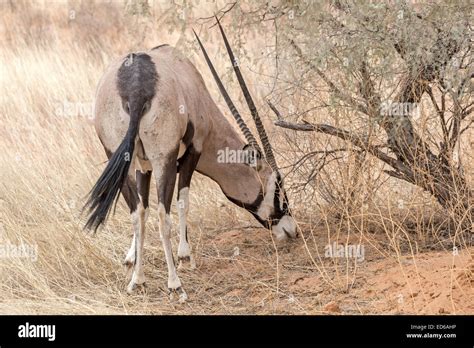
[240, 272]
[429, 283]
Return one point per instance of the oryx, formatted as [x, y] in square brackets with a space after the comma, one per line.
[153, 112]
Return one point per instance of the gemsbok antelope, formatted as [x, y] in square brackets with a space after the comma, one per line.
[153, 112]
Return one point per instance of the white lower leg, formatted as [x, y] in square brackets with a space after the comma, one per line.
[184, 248]
[130, 257]
[139, 219]
[174, 283]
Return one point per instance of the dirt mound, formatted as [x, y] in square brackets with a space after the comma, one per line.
[423, 283]
[429, 283]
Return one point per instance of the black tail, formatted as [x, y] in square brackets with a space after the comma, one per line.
[136, 80]
[107, 188]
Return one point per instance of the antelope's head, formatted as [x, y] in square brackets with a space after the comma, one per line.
[271, 208]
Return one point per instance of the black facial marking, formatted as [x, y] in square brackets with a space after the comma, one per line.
[254, 155]
[278, 212]
[252, 207]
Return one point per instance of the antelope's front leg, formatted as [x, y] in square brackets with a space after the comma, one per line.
[184, 248]
[129, 261]
[187, 165]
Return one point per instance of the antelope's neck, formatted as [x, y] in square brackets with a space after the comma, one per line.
[220, 162]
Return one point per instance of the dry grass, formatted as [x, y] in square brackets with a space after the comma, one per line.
[49, 68]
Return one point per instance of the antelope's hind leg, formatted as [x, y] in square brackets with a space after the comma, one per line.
[165, 175]
[138, 203]
[130, 195]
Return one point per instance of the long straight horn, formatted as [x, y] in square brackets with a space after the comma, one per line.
[253, 110]
[242, 125]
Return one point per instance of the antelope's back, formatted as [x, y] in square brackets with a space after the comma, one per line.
[181, 98]
[181, 85]
[176, 69]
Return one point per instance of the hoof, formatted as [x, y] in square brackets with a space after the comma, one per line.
[180, 293]
[128, 268]
[128, 263]
[186, 262]
[133, 288]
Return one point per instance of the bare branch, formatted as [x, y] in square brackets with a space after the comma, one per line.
[221, 13]
[352, 138]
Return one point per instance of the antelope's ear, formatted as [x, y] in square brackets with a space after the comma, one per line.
[252, 156]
